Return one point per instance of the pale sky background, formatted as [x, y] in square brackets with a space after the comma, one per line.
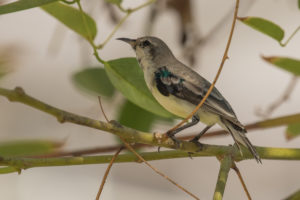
[246, 81]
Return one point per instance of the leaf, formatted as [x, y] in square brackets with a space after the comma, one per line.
[126, 75]
[22, 5]
[95, 81]
[299, 4]
[28, 148]
[117, 2]
[73, 18]
[292, 131]
[264, 26]
[288, 64]
[135, 117]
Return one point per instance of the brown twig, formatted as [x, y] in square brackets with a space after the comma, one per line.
[102, 110]
[225, 57]
[237, 171]
[106, 173]
[128, 146]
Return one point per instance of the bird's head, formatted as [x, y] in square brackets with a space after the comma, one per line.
[151, 48]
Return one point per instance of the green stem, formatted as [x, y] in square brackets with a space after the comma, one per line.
[100, 46]
[225, 165]
[7, 170]
[128, 13]
[210, 150]
[293, 34]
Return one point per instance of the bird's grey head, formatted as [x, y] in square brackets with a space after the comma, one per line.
[150, 49]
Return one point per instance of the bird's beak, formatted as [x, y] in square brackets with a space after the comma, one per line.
[132, 42]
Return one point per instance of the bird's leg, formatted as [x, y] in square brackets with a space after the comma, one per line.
[197, 137]
[171, 134]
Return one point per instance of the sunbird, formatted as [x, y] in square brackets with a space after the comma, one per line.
[179, 89]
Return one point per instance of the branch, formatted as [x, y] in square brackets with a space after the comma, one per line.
[107, 172]
[130, 135]
[264, 152]
[237, 171]
[225, 166]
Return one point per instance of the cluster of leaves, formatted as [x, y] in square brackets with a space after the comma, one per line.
[291, 65]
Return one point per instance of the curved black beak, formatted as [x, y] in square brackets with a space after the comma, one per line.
[132, 42]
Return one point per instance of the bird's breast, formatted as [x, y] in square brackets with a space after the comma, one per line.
[183, 108]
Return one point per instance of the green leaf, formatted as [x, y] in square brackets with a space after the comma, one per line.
[22, 5]
[28, 148]
[95, 81]
[117, 2]
[288, 64]
[135, 117]
[299, 4]
[126, 75]
[292, 131]
[84, 25]
[264, 26]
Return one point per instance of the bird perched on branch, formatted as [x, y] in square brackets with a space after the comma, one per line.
[179, 90]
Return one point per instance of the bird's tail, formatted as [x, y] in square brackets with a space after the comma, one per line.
[239, 136]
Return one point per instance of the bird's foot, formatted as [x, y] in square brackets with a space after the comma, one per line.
[175, 140]
[196, 142]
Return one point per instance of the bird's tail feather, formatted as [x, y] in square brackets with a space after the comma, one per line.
[239, 136]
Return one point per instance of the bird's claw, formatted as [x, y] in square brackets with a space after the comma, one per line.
[175, 140]
[198, 144]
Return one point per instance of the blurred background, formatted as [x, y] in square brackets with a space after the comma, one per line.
[42, 55]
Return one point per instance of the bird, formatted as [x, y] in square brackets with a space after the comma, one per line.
[179, 89]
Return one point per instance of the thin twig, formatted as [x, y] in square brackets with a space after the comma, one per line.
[156, 170]
[284, 97]
[128, 13]
[293, 34]
[236, 169]
[225, 165]
[225, 57]
[100, 46]
[107, 172]
[102, 110]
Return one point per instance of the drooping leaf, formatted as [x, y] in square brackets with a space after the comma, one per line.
[84, 25]
[117, 2]
[28, 148]
[22, 5]
[126, 75]
[95, 81]
[288, 64]
[264, 26]
[135, 117]
[292, 131]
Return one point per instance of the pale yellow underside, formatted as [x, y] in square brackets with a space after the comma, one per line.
[183, 108]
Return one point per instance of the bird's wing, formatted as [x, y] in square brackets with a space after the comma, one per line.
[170, 84]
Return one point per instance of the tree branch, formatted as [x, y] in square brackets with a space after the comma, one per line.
[134, 136]
[225, 166]
[264, 152]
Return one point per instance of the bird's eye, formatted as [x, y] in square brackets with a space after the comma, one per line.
[146, 43]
